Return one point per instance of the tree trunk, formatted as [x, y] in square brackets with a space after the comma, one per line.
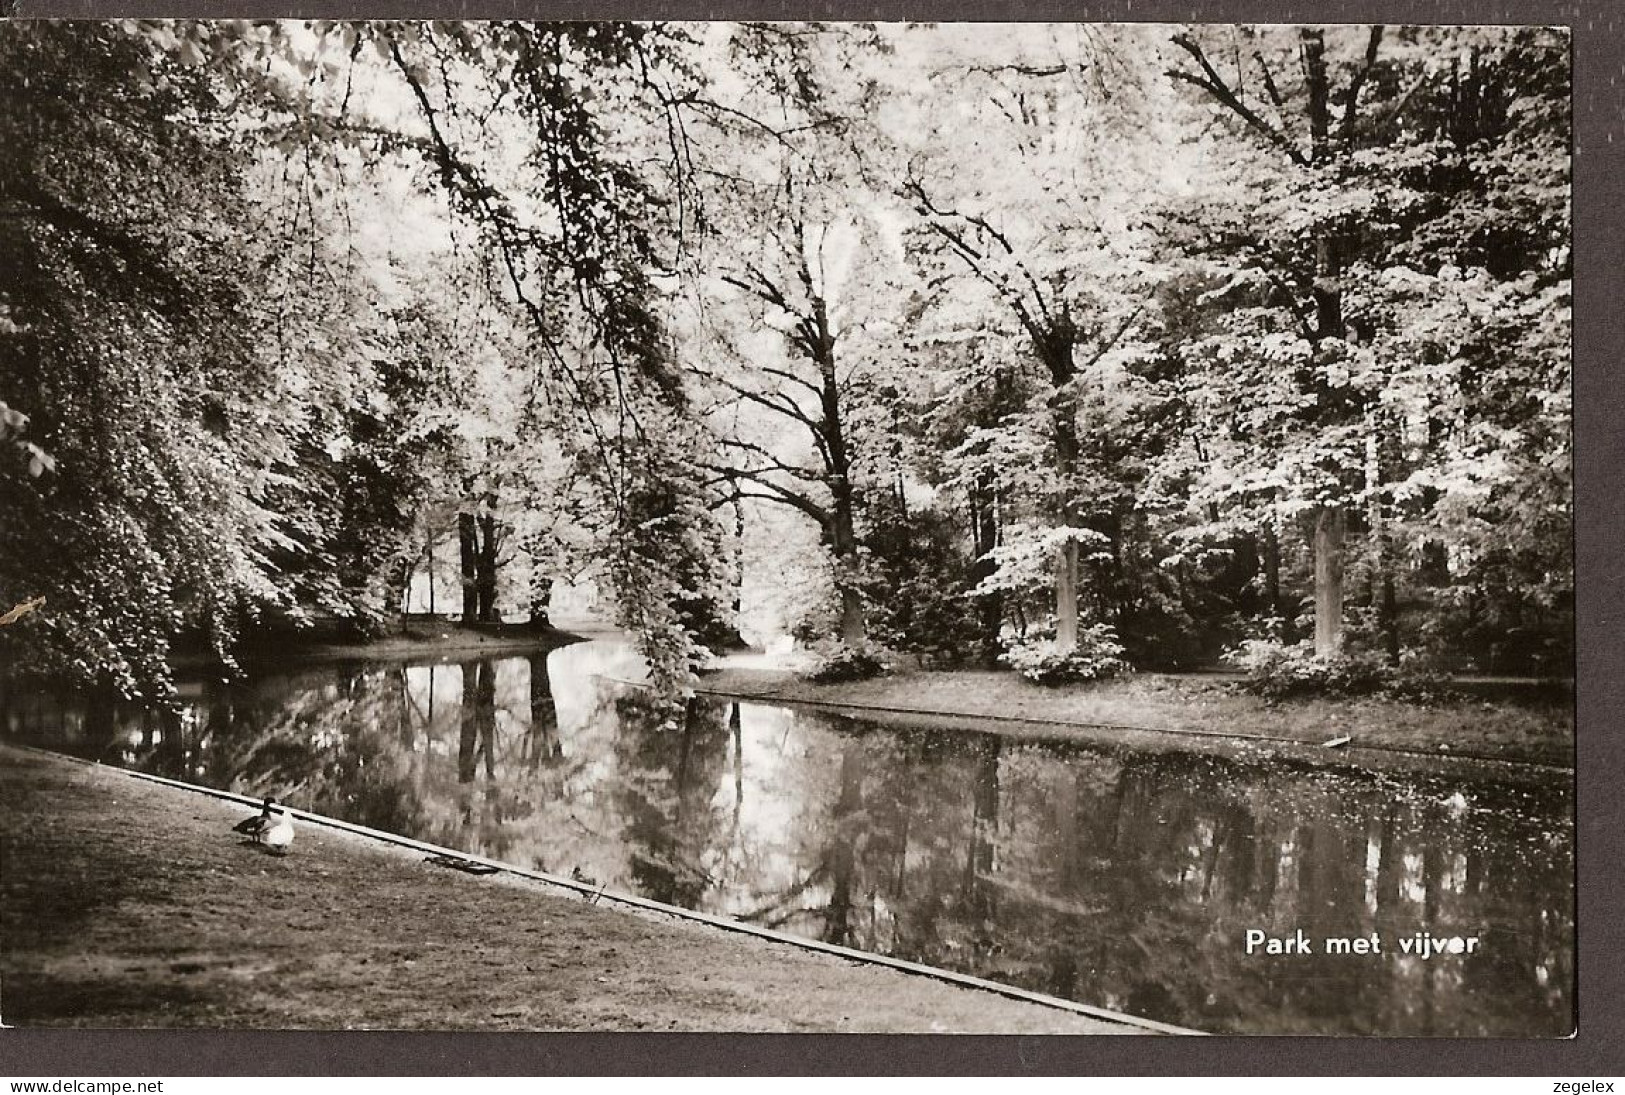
[1329, 530]
[1327, 296]
[844, 542]
[1385, 594]
[1328, 291]
[1272, 584]
[541, 603]
[1065, 436]
[1118, 601]
[739, 555]
[843, 530]
[1066, 597]
[984, 517]
[1390, 615]
[1313, 46]
[1435, 568]
[485, 562]
[468, 549]
[398, 591]
[1330, 524]
[428, 569]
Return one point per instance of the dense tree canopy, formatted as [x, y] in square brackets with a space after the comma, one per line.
[1082, 344]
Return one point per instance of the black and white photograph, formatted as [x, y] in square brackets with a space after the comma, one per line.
[1045, 528]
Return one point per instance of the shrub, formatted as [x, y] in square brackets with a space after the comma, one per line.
[839, 662]
[1098, 654]
[1279, 671]
[914, 581]
[1422, 681]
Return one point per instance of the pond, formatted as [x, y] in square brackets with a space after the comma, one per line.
[1119, 878]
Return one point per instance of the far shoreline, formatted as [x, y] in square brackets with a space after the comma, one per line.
[1530, 727]
[411, 640]
[1523, 728]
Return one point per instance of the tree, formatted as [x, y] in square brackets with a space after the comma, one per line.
[1038, 227]
[796, 316]
[1362, 177]
[575, 234]
[134, 343]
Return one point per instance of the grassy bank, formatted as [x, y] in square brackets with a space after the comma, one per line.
[1534, 726]
[128, 904]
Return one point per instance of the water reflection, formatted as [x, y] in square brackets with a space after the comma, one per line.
[1113, 877]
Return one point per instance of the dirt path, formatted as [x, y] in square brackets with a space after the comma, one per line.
[128, 904]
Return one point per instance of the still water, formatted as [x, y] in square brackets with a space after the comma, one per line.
[1117, 878]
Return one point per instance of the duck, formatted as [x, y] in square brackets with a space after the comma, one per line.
[254, 827]
[272, 830]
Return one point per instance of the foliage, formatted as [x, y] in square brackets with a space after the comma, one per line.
[670, 573]
[132, 345]
[1030, 329]
[1415, 681]
[795, 301]
[1281, 671]
[576, 237]
[917, 582]
[1375, 322]
[1097, 654]
[837, 662]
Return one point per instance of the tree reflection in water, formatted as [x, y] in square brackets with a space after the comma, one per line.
[1119, 878]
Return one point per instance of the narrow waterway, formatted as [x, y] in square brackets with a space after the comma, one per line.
[1123, 879]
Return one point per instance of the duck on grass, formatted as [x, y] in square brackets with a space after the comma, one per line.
[271, 828]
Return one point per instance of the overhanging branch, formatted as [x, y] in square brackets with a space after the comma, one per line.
[1211, 82]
